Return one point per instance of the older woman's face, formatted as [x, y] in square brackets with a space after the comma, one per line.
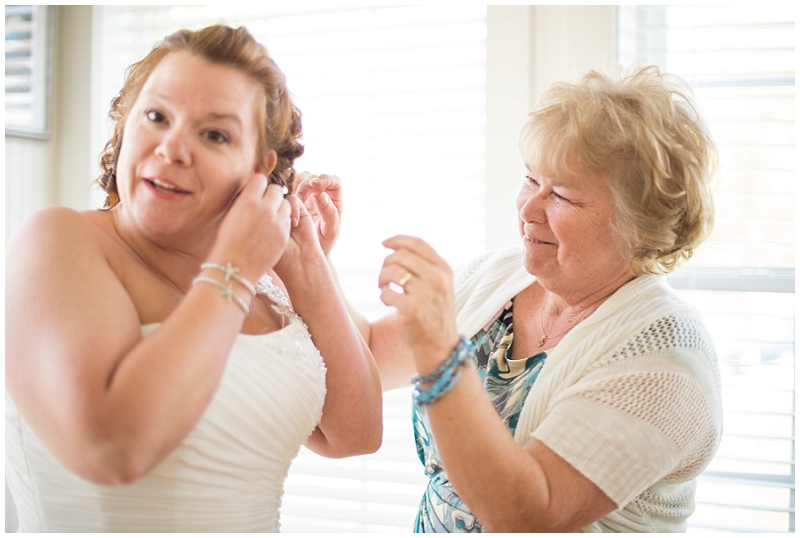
[567, 236]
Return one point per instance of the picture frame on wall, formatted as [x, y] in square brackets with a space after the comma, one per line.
[28, 70]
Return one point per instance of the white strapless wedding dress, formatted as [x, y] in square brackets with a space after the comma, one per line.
[226, 476]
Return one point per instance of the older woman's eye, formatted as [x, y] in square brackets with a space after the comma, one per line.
[561, 198]
[217, 136]
[532, 181]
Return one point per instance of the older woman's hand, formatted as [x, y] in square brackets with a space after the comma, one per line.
[322, 196]
[425, 304]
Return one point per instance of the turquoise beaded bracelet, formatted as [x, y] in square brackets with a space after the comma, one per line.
[445, 377]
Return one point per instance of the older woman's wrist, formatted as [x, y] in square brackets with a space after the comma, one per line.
[430, 355]
[431, 387]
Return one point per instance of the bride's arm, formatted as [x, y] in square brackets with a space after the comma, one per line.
[352, 414]
[322, 195]
[106, 402]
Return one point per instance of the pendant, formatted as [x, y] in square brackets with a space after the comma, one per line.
[542, 339]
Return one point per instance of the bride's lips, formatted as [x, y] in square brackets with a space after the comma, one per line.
[163, 186]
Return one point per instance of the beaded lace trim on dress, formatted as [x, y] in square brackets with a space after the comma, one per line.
[276, 295]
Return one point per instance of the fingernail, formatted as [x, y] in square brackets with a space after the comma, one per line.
[324, 198]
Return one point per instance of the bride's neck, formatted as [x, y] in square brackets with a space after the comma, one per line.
[175, 259]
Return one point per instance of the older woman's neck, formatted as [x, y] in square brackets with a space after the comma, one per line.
[588, 295]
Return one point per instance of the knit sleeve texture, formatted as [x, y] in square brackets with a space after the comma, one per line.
[648, 413]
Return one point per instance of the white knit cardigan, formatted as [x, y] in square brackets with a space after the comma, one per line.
[630, 397]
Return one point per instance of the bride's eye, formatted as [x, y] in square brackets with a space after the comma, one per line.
[155, 116]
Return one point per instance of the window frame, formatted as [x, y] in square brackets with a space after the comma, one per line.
[779, 280]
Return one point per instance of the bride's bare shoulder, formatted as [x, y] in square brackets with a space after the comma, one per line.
[55, 224]
[58, 232]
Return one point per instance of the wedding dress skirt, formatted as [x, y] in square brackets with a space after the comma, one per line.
[226, 476]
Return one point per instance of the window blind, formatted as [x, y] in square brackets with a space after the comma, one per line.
[18, 58]
[27, 70]
[740, 62]
[393, 102]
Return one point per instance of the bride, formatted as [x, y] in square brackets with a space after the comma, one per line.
[159, 375]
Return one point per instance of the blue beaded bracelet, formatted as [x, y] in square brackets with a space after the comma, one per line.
[445, 377]
[436, 374]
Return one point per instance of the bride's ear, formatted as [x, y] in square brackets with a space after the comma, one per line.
[270, 162]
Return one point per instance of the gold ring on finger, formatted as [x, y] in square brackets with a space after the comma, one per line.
[405, 279]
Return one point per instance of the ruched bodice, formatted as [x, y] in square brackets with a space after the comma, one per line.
[226, 476]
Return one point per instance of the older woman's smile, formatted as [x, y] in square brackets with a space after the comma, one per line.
[533, 234]
[535, 241]
[531, 237]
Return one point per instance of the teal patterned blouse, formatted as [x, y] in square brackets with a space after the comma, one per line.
[507, 384]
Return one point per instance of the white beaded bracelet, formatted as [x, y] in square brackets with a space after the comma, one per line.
[224, 290]
[230, 273]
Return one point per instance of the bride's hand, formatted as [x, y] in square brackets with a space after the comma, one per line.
[303, 248]
[322, 196]
[256, 228]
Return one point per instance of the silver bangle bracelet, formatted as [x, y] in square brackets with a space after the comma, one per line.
[230, 273]
[224, 290]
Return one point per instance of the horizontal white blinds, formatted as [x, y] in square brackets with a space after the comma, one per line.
[19, 53]
[376, 493]
[27, 69]
[740, 61]
[393, 102]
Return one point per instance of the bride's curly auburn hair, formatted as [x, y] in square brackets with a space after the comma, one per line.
[279, 120]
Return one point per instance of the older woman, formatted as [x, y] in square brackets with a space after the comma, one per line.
[151, 386]
[563, 385]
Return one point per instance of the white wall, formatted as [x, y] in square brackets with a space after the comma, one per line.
[77, 161]
[57, 171]
[529, 48]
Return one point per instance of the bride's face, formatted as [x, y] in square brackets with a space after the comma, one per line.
[189, 145]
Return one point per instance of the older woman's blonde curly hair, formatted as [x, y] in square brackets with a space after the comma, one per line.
[279, 119]
[642, 134]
